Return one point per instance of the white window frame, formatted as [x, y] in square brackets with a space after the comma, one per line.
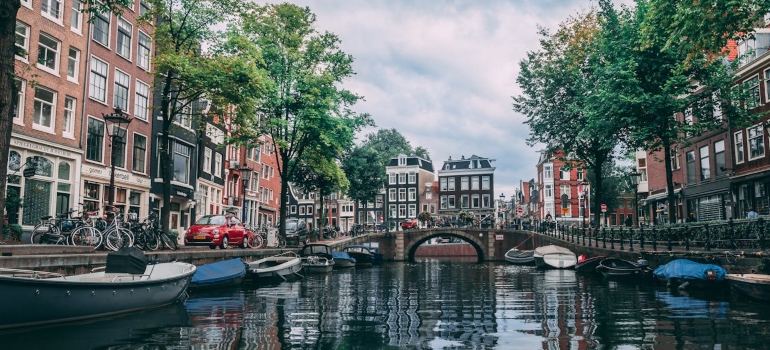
[26, 37]
[568, 191]
[475, 185]
[73, 62]
[451, 185]
[412, 194]
[133, 150]
[121, 80]
[207, 160]
[76, 14]
[412, 178]
[547, 172]
[143, 53]
[442, 184]
[141, 93]
[402, 178]
[100, 74]
[56, 54]
[486, 201]
[125, 29]
[27, 3]
[21, 100]
[392, 178]
[443, 202]
[218, 164]
[760, 133]
[68, 117]
[486, 182]
[41, 127]
[107, 18]
[465, 183]
[402, 194]
[45, 10]
[754, 97]
[740, 155]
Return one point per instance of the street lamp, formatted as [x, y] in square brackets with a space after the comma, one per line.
[502, 202]
[245, 172]
[635, 177]
[586, 203]
[117, 119]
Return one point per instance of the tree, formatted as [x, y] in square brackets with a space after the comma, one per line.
[8, 89]
[228, 74]
[317, 172]
[304, 109]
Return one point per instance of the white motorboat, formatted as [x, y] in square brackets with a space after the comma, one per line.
[277, 268]
[552, 256]
[317, 258]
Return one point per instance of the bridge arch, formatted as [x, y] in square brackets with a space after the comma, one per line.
[476, 237]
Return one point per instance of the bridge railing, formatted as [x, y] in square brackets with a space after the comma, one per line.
[720, 235]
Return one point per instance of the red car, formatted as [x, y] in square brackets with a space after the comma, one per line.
[216, 231]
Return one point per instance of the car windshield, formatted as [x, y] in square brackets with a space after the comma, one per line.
[211, 220]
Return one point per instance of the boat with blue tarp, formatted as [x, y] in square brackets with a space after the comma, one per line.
[220, 274]
[343, 260]
[683, 273]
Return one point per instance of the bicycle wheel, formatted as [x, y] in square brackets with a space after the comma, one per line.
[39, 230]
[168, 241]
[151, 240]
[127, 236]
[255, 241]
[116, 239]
[86, 236]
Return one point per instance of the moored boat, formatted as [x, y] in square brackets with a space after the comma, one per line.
[552, 256]
[364, 257]
[619, 268]
[276, 268]
[374, 248]
[754, 285]
[317, 258]
[343, 260]
[683, 273]
[128, 283]
[588, 264]
[520, 257]
[220, 274]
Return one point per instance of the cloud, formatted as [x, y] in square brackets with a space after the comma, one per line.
[443, 72]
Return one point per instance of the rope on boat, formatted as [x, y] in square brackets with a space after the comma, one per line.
[531, 235]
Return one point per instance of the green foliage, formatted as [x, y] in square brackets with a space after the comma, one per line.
[424, 217]
[466, 217]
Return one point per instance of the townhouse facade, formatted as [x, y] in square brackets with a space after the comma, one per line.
[467, 184]
[409, 177]
[563, 192]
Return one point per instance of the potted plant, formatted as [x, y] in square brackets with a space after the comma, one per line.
[424, 217]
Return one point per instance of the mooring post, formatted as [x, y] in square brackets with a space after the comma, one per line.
[621, 238]
[604, 237]
[630, 239]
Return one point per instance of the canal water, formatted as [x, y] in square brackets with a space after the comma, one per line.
[430, 304]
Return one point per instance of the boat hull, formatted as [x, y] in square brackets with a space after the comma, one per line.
[362, 259]
[223, 274]
[70, 298]
[620, 269]
[520, 257]
[276, 269]
[589, 265]
[341, 264]
[753, 285]
[554, 257]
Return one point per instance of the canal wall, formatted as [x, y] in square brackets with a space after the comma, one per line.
[445, 249]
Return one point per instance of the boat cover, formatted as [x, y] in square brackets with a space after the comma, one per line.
[126, 260]
[553, 249]
[687, 269]
[219, 271]
[343, 256]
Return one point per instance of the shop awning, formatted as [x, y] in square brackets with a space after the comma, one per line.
[661, 196]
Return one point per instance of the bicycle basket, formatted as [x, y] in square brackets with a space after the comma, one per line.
[67, 226]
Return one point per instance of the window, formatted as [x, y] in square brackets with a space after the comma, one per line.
[739, 147]
[485, 181]
[690, 160]
[140, 153]
[98, 88]
[69, 117]
[719, 158]
[580, 174]
[22, 40]
[51, 9]
[451, 185]
[124, 38]
[548, 191]
[402, 178]
[451, 202]
[485, 201]
[76, 19]
[563, 173]
[475, 201]
[565, 189]
[442, 184]
[207, 160]
[101, 31]
[141, 101]
[443, 202]
[392, 211]
[674, 159]
[44, 108]
[412, 194]
[705, 167]
[183, 116]
[401, 161]
[412, 178]
[218, 164]
[412, 210]
[464, 183]
[18, 103]
[143, 51]
[134, 202]
[118, 146]
[120, 98]
[95, 140]
[144, 7]
[73, 65]
[402, 194]
[474, 183]
[181, 162]
[752, 87]
[48, 54]
[547, 172]
[756, 142]
[392, 178]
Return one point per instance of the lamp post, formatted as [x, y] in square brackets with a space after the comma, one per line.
[635, 177]
[586, 204]
[245, 172]
[117, 119]
[502, 208]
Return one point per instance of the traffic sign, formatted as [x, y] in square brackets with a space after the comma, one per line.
[519, 210]
[604, 208]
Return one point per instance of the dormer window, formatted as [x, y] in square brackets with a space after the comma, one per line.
[401, 160]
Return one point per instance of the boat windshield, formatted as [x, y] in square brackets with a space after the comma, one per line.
[211, 220]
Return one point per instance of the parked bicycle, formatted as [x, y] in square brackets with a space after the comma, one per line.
[253, 239]
[56, 230]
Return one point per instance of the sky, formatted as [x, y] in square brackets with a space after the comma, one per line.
[443, 72]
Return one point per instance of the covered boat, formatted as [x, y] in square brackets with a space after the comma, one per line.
[317, 258]
[552, 256]
[619, 268]
[588, 264]
[343, 260]
[226, 273]
[520, 257]
[374, 248]
[683, 273]
[754, 285]
[37, 297]
[363, 256]
[277, 268]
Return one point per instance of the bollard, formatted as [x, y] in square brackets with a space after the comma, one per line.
[641, 239]
[630, 239]
[583, 229]
[596, 238]
[654, 239]
[604, 238]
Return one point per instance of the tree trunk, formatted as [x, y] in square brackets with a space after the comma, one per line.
[669, 182]
[165, 162]
[8, 11]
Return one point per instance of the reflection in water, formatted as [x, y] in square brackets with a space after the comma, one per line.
[429, 305]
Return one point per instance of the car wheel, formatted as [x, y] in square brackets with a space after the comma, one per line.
[245, 242]
[225, 243]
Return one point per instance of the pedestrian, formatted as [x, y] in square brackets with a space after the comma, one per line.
[691, 218]
[629, 221]
[548, 217]
[752, 214]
